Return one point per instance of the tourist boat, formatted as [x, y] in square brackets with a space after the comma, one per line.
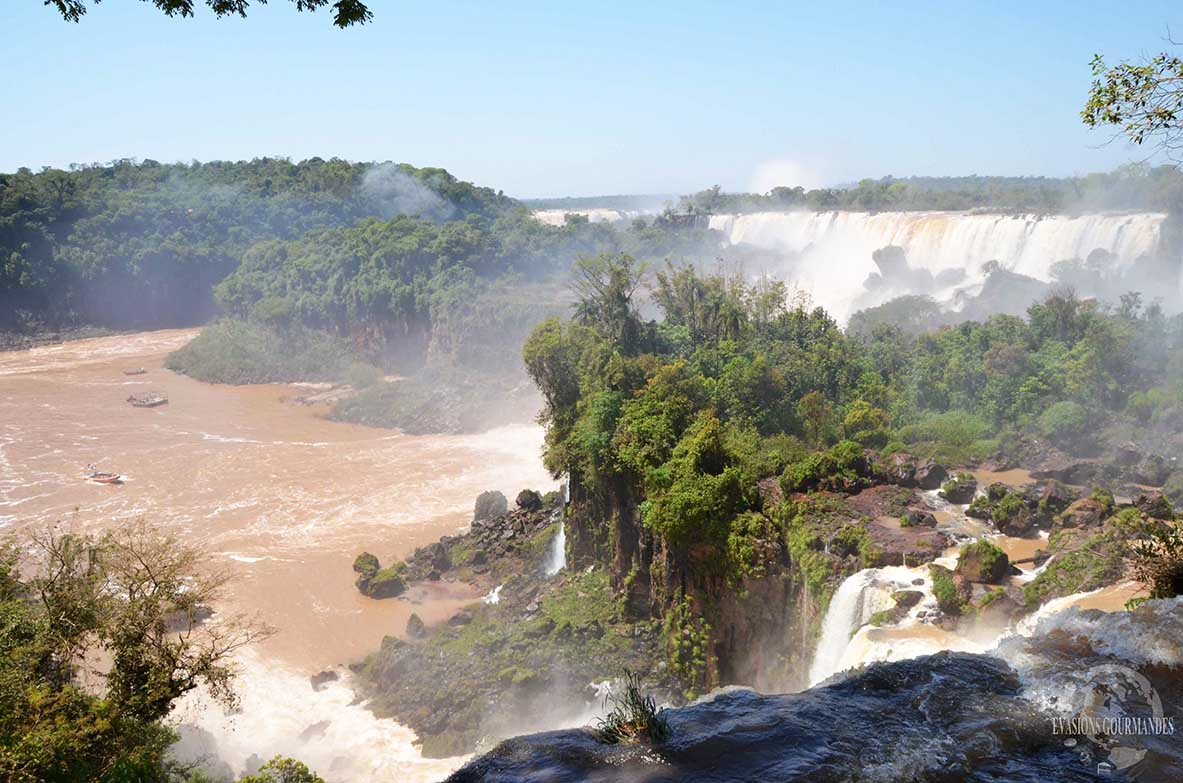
[101, 476]
[150, 400]
[136, 371]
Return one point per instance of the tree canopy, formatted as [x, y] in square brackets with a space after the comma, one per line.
[346, 13]
[1143, 100]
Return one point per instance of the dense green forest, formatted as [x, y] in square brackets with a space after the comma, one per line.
[141, 245]
[670, 429]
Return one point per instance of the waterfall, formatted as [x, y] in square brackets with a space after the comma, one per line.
[833, 249]
[556, 560]
[859, 597]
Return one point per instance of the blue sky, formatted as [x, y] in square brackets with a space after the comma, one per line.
[557, 98]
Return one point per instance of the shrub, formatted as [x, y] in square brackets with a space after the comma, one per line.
[840, 467]
[1008, 508]
[944, 588]
[360, 375]
[1064, 421]
[1157, 561]
[283, 770]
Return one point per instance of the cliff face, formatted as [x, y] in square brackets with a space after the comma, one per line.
[747, 612]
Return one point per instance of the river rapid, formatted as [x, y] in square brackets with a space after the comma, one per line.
[275, 493]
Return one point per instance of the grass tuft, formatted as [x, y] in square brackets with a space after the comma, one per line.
[633, 716]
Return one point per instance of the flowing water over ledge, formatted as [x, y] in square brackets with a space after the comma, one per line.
[835, 247]
[282, 498]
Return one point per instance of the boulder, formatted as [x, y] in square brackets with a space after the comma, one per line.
[917, 517]
[1127, 454]
[488, 505]
[416, 628]
[952, 592]
[366, 565]
[770, 491]
[529, 500]
[1154, 505]
[983, 562]
[1152, 471]
[387, 583]
[462, 617]
[1054, 497]
[319, 679]
[901, 469]
[1085, 512]
[907, 598]
[930, 475]
[960, 489]
[439, 557]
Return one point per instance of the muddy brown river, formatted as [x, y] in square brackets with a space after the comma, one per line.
[271, 490]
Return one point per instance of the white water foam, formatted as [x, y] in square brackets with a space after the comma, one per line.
[859, 597]
[281, 714]
[835, 248]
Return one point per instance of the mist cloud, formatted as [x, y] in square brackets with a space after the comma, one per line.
[393, 192]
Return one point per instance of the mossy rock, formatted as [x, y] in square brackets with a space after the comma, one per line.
[982, 561]
[387, 583]
[366, 565]
[960, 489]
[952, 595]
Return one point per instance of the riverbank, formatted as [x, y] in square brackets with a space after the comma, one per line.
[279, 497]
[41, 336]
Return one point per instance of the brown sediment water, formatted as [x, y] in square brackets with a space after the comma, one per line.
[280, 496]
[1016, 477]
[1020, 548]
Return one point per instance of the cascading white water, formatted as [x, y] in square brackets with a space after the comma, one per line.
[858, 597]
[281, 713]
[556, 560]
[835, 248]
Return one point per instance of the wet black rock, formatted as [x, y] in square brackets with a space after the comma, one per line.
[946, 717]
[917, 517]
[960, 488]
[319, 679]
[930, 475]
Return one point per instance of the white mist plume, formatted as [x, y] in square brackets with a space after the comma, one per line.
[782, 172]
[394, 192]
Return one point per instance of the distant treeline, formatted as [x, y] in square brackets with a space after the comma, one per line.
[649, 202]
[1134, 188]
[143, 244]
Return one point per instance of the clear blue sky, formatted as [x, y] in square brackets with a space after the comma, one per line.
[558, 98]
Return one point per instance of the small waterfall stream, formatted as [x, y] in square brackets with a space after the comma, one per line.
[858, 598]
[557, 558]
[847, 641]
